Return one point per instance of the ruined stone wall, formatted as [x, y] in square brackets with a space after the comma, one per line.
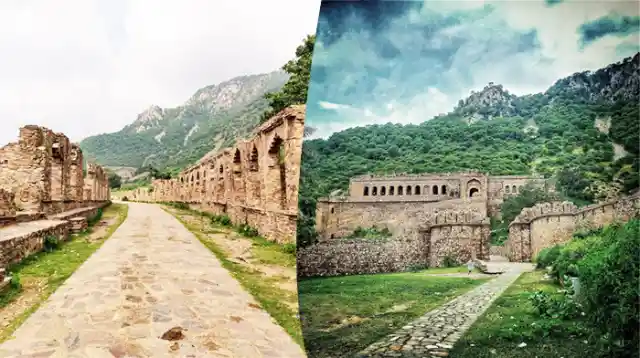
[548, 224]
[15, 248]
[458, 234]
[335, 219]
[254, 183]
[43, 171]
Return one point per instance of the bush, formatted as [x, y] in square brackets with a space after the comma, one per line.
[289, 248]
[223, 220]
[555, 306]
[125, 198]
[248, 231]
[548, 256]
[570, 254]
[94, 219]
[51, 243]
[450, 261]
[610, 288]
[15, 281]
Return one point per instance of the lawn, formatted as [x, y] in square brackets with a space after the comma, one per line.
[42, 273]
[266, 270]
[511, 321]
[343, 315]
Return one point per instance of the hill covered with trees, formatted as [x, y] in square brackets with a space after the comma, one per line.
[583, 132]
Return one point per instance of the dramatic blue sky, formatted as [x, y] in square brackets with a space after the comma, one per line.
[405, 62]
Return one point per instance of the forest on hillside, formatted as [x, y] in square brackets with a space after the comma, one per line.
[553, 135]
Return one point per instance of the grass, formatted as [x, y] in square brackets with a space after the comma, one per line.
[343, 315]
[446, 270]
[511, 320]
[51, 269]
[264, 289]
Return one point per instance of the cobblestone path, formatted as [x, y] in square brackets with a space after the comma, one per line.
[150, 276]
[434, 334]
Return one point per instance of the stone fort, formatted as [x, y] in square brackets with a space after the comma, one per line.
[254, 182]
[435, 216]
[44, 192]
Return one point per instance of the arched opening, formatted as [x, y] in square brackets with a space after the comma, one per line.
[221, 170]
[198, 176]
[238, 181]
[383, 191]
[514, 189]
[400, 190]
[473, 192]
[365, 191]
[237, 161]
[253, 160]
[520, 189]
[444, 190]
[392, 190]
[333, 210]
[408, 190]
[277, 174]
[374, 191]
[417, 190]
[435, 190]
[507, 190]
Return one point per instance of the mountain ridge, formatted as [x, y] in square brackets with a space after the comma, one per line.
[214, 116]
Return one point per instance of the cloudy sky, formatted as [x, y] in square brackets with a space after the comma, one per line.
[85, 67]
[405, 62]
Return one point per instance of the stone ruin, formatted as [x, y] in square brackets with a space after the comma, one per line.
[41, 177]
[253, 183]
[547, 224]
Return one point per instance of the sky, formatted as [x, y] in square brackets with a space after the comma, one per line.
[408, 61]
[85, 67]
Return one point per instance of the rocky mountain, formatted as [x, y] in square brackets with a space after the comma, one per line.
[212, 118]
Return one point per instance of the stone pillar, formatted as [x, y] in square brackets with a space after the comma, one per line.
[76, 179]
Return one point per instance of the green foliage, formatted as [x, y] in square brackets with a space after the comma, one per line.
[289, 248]
[566, 147]
[610, 284]
[295, 90]
[370, 233]
[548, 256]
[115, 181]
[554, 306]
[449, 261]
[15, 281]
[247, 230]
[51, 243]
[223, 220]
[570, 254]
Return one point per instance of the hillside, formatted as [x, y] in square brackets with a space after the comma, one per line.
[173, 137]
[583, 131]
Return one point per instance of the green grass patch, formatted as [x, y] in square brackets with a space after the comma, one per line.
[446, 270]
[512, 320]
[54, 267]
[343, 315]
[264, 289]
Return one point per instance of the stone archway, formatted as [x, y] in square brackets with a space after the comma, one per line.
[474, 187]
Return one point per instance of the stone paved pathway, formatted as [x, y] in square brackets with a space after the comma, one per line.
[434, 334]
[149, 277]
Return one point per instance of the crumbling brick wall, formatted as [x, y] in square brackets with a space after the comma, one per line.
[254, 183]
[548, 224]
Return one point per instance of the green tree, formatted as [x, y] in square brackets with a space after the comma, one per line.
[115, 181]
[295, 90]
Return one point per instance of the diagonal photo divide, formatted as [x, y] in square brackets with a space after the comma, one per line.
[469, 180]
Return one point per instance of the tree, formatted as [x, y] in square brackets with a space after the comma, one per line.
[115, 181]
[295, 90]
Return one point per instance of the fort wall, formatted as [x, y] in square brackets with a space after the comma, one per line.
[254, 183]
[547, 224]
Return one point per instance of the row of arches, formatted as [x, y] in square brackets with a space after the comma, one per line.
[513, 189]
[407, 190]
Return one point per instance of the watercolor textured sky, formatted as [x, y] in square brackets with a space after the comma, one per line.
[405, 62]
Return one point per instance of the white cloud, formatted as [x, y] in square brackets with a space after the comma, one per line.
[85, 67]
[330, 105]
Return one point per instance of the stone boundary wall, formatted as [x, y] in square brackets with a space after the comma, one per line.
[459, 235]
[548, 224]
[254, 183]
[42, 172]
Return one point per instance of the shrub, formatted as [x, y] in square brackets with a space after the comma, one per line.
[248, 231]
[555, 306]
[51, 243]
[223, 220]
[94, 219]
[289, 248]
[125, 198]
[15, 281]
[450, 261]
[610, 288]
[548, 256]
[570, 254]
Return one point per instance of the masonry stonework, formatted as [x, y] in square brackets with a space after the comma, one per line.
[547, 224]
[42, 191]
[431, 217]
[253, 183]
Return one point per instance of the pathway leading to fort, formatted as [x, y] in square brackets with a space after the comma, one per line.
[150, 276]
[435, 333]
